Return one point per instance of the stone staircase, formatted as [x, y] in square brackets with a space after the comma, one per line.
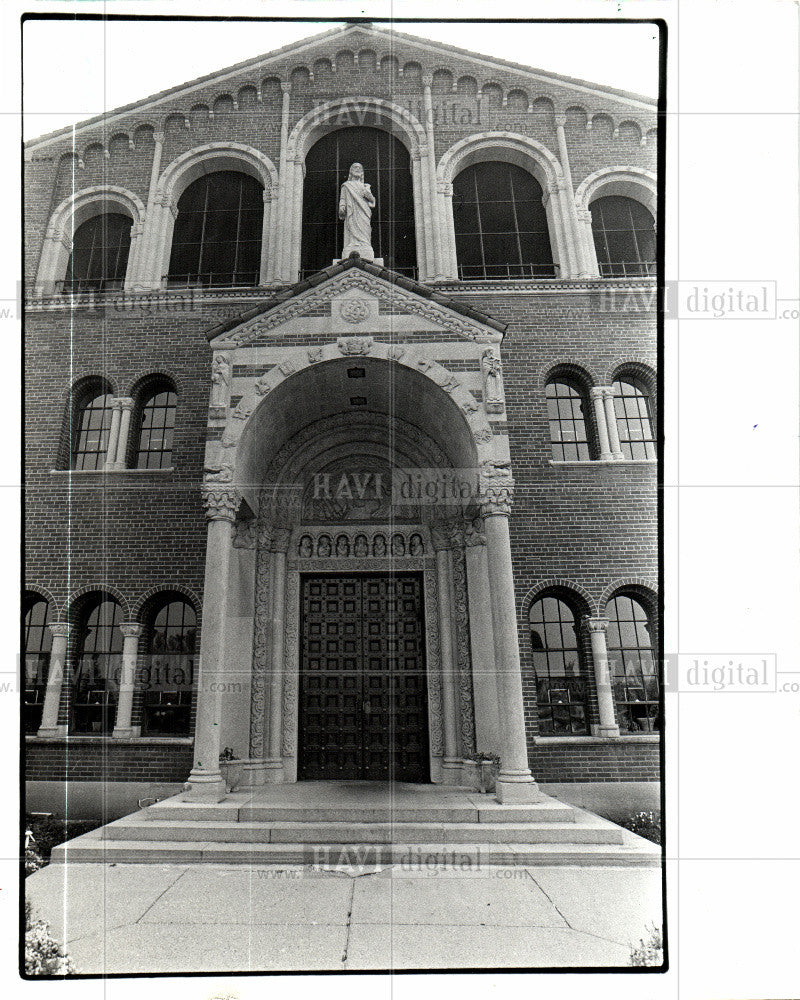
[331, 824]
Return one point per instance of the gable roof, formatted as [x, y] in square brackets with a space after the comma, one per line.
[370, 30]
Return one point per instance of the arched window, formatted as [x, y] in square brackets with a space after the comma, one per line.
[567, 407]
[634, 675]
[91, 422]
[624, 237]
[634, 417]
[560, 684]
[155, 412]
[500, 223]
[37, 640]
[98, 665]
[99, 257]
[217, 236]
[387, 169]
[168, 671]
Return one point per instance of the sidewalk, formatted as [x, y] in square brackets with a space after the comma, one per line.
[204, 918]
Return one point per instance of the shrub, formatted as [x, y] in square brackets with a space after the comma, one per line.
[33, 860]
[43, 955]
[43, 833]
[649, 952]
[646, 824]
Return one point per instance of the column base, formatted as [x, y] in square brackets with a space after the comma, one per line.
[606, 731]
[273, 773]
[452, 769]
[516, 786]
[55, 731]
[127, 734]
[253, 773]
[204, 786]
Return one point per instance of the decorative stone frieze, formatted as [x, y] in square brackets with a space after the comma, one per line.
[355, 345]
[221, 502]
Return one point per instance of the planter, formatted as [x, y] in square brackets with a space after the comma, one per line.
[488, 775]
[232, 771]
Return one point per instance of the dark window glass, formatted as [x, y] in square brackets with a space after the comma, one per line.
[560, 684]
[99, 257]
[167, 676]
[634, 421]
[99, 662]
[90, 431]
[217, 237]
[387, 169]
[157, 426]
[567, 418]
[500, 223]
[624, 237]
[633, 668]
[37, 638]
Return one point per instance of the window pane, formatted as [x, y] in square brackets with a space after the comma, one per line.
[155, 437]
[561, 691]
[624, 236]
[631, 662]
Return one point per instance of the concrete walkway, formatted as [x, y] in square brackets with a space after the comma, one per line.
[176, 918]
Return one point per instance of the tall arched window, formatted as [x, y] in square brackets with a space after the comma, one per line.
[155, 413]
[98, 654]
[560, 683]
[168, 672]
[99, 257]
[500, 223]
[217, 236]
[634, 674]
[624, 237]
[634, 417]
[567, 407]
[37, 639]
[387, 169]
[91, 422]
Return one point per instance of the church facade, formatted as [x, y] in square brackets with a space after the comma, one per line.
[299, 515]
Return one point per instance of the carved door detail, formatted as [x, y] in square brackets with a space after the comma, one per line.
[363, 704]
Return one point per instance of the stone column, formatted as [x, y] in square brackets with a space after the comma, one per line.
[419, 216]
[448, 234]
[126, 405]
[596, 393]
[143, 276]
[55, 679]
[596, 628]
[280, 545]
[206, 783]
[515, 782]
[131, 632]
[284, 191]
[268, 250]
[436, 271]
[611, 422]
[555, 227]
[571, 219]
[113, 434]
[451, 762]
[484, 672]
[584, 218]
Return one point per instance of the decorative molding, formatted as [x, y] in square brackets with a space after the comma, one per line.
[331, 544]
[262, 643]
[354, 310]
[291, 664]
[433, 663]
[463, 654]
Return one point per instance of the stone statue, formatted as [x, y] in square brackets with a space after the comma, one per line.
[356, 202]
[220, 380]
[492, 382]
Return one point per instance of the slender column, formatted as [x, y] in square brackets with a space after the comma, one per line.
[436, 271]
[448, 234]
[55, 678]
[571, 219]
[131, 632]
[284, 191]
[555, 227]
[584, 217]
[205, 780]
[280, 544]
[596, 393]
[113, 434]
[296, 227]
[451, 763]
[484, 673]
[605, 699]
[266, 195]
[419, 216]
[611, 421]
[142, 275]
[270, 235]
[515, 782]
[126, 407]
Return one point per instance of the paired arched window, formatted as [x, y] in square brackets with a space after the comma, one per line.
[156, 405]
[500, 223]
[217, 235]
[37, 643]
[167, 673]
[567, 409]
[633, 667]
[99, 258]
[90, 420]
[624, 237]
[560, 683]
[633, 409]
[98, 664]
[387, 168]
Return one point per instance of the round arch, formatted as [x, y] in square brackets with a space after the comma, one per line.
[583, 600]
[142, 602]
[628, 182]
[73, 602]
[643, 589]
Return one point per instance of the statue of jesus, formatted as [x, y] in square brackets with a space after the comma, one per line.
[356, 202]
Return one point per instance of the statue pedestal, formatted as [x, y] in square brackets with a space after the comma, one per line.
[375, 260]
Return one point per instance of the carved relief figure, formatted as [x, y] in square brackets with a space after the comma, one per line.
[356, 202]
[416, 547]
[398, 545]
[379, 546]
[492, 382]
[324, 547]
[342, 547]
[361, 547]
[306, 548]
[220, 380]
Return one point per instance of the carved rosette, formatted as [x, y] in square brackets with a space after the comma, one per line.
[355, 345]
[220, 501]
[262, 642]
[291, 677]
[461, 613]
[434, 664]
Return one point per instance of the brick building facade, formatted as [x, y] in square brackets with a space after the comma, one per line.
[187, 391]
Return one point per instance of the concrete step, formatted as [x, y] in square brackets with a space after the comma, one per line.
[130, 828]
[94, 848]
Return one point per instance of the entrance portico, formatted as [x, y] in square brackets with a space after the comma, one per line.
[331, 414]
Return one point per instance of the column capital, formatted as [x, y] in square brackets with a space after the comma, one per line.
[220, 501]
[158, 138]
[601, 391]
[286, 87]
[427, 80]
[595, 624]
[441, 538]
[131, 630]
[124, 403]
[59, 630]
[561, 120]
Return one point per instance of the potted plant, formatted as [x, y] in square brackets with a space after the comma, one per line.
[231, 768]
[488, 764]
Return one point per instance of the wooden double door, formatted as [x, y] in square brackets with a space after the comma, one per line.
[363, 700]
